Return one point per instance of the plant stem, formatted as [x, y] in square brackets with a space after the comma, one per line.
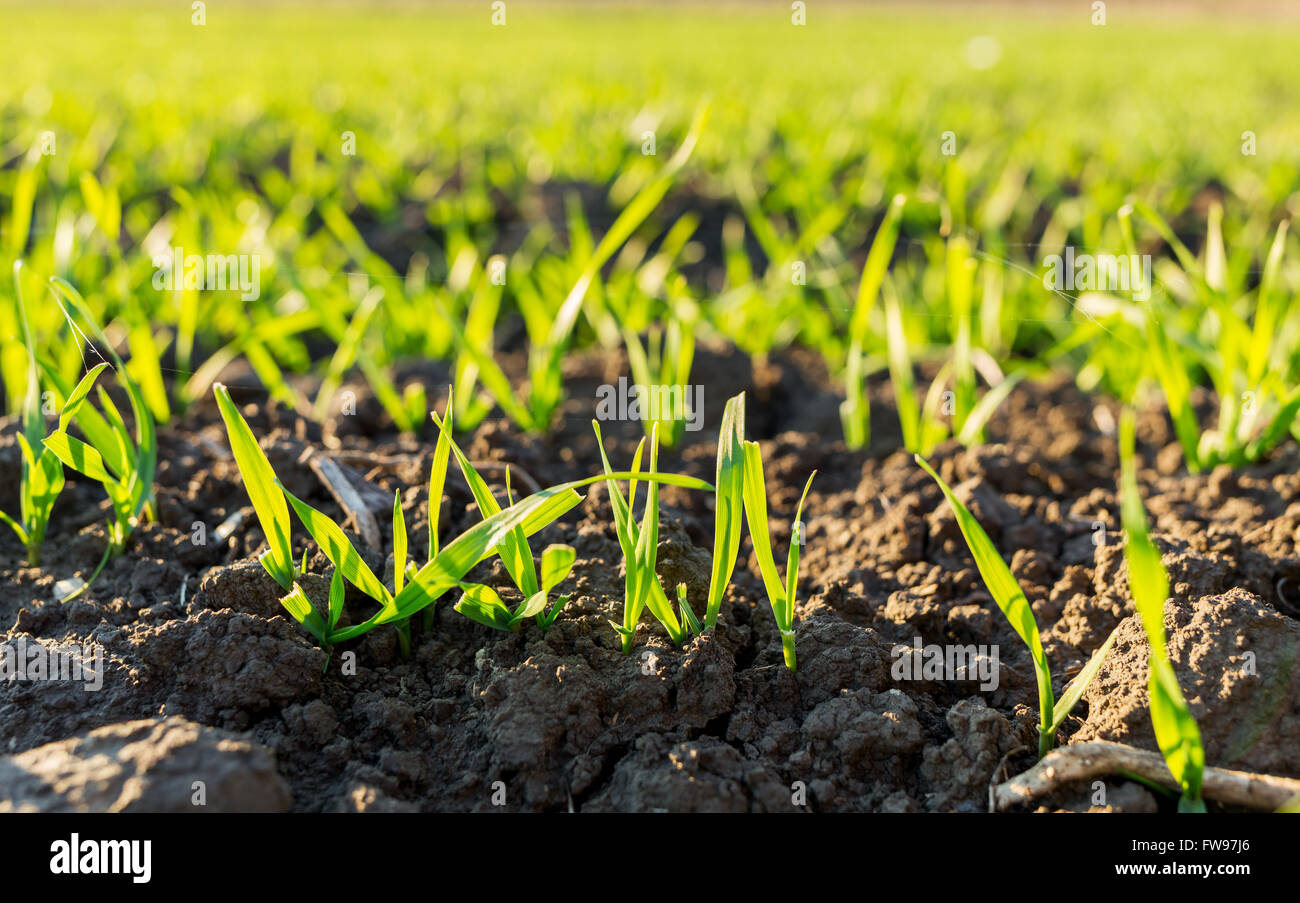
[109, 550]
[1045, 741]
[404, 638]
[787, 648]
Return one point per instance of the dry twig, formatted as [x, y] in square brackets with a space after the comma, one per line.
[348, 498]
[1082, 761]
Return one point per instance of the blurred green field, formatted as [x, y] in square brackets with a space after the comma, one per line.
[526, 140]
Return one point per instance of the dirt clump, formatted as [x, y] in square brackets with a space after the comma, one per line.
[150, 765]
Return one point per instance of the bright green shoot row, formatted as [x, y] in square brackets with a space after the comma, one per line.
[415, 587]
[504, 532]
[1207, 321]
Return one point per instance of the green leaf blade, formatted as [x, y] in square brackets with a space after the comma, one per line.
[263, 490]
[339, 550]
[729, 504]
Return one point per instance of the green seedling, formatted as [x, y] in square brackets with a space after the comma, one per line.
[855, 412]
[481, 603]
[639, 543]
[406, 408]
[122, 461]
[129, 459]
[918, 436]
[437, 481]
[971, 431]
[1010, 598]
[693, 625]
[263, 491]
[1176, 732]
[345, 355]
[42, 478]
[482, 311]
[120, 465]
[268, 496]
[729, 505]
[780, 596]
[352, 567]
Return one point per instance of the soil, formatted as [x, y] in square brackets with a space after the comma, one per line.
[197, 646]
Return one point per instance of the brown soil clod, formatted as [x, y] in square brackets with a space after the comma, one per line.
[151, 765]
